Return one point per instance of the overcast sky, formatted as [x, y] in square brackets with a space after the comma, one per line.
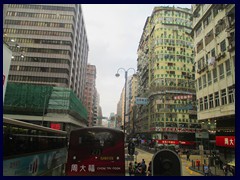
[114, 32]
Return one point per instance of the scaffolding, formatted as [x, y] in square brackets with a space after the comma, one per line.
[31, 99]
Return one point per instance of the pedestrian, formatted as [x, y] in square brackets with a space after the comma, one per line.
[135, 167]
[209, 171]
[188, 155]
[144, 168]
[206, 170]
[130, 169]
[217, 162]
[138, 170]
[220, 164]
[225, 170]
[232, 170]
[149, 169]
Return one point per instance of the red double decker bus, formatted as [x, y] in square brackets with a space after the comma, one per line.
[96, 151]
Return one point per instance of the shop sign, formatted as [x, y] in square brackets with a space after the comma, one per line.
[177, 130]
[182, 97]
[225, 141]
[175, 142]
[55, 126]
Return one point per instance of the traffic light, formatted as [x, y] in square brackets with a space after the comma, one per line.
[131, 148]
[166, 163]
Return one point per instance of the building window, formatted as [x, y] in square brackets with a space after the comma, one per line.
[223, 97]
[207, 20]
[205, 102]
[215, 78]
[201, 104]
[199, 64]
[220, 26]
[210, 101]
[221, 71]
[209, 37]
[199, 46]
[213, 52]
[216, 96]
[223, 46]
[209, 75]
[231, 94]
[200, 83]
[198, 30]
[204, 81]
[228, 67]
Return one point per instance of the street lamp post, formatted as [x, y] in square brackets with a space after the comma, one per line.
[126, 74]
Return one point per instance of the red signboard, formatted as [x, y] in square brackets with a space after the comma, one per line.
[55, 126]
[225, 141]
[175, 142]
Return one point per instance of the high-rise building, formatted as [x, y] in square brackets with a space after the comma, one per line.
[166, 76]
[49, 62]
[95, 107]
[214, 42]
[49, 44]
[132, 112]
[99, 111]
[120, 109]
[90, 93]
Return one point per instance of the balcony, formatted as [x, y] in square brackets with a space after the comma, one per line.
[202, 69]
[220, 56]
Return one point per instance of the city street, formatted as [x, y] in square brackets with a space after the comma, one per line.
[148, 157]
[82, 83]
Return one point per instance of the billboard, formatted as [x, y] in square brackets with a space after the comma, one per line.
[7, 55]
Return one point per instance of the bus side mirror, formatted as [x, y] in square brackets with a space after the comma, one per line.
[166, 163]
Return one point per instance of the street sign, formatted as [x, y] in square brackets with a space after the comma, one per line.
[141, 101]
[202, 135]
[102, 117]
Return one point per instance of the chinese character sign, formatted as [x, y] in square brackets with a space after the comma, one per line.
[141, 101]
[225, 141]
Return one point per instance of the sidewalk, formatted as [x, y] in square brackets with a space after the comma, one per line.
[216, 171]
